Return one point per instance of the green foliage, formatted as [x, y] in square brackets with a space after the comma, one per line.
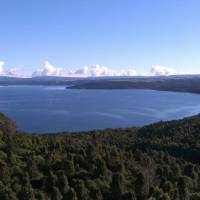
[156, 162]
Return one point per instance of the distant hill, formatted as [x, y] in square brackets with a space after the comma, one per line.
[174, 83]
[47, 80]
[78, 81]
[178, 83]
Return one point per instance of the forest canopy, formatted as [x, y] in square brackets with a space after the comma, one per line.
[159, 161]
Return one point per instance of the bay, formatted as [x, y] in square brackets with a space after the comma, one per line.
[51, 109]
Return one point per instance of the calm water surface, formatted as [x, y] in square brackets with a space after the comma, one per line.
[53, 109]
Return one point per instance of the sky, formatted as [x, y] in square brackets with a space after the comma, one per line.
[99, 37]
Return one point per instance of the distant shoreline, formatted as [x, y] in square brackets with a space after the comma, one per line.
[189, 84]
[181, 85]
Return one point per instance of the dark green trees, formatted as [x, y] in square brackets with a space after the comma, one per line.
[157, 162]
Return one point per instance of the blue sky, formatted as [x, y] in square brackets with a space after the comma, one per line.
[115, 33]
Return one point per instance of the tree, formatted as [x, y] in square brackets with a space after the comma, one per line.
[140, 187]
[62, 180]
[27, 192]
[129, 196]
[50, 182]
[71, 195]
[183, 190]
[69, 167]
[195, 196]
[4, 172]
[101, 167]
[117, 185]
[56, 195]
[81, 190]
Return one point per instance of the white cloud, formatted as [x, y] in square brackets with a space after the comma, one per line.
[16, 72]
[95, 70]
[49, 70]
[162, 71]
[1, 67]
[127, 72]
[86, 71]
[12, 72]
[99, 70]
[83, 71]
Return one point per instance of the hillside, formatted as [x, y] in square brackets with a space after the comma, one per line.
[159, 161]
[176, 84]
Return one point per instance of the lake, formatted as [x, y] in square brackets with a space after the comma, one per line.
[55, 109]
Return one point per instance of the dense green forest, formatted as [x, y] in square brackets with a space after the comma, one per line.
[155, 162]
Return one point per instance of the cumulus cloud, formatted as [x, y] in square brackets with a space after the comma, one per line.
[1, 67]
[83, 71]
[12, 72]
[86, 71]
[95, 70]
[16, 72]
[49, 70]
[162, 71]
[100, 70]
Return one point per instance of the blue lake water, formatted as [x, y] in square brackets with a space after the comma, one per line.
[54, 109]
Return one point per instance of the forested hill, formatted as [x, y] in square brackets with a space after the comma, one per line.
[163, 84]
[156, 162]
